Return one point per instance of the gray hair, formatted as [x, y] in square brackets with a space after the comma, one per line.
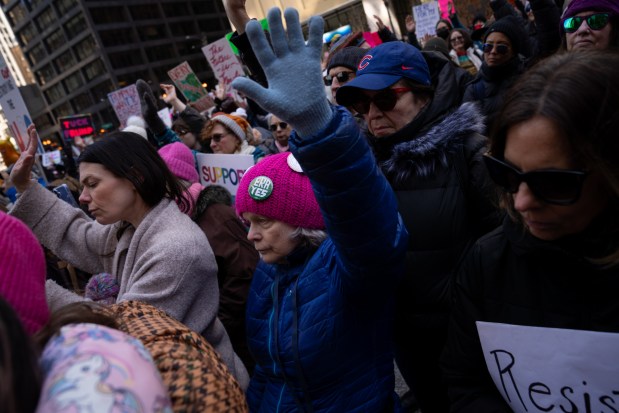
[309, 237]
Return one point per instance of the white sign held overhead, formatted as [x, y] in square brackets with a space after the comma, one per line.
[223, 170]
[223, 61]
[426, 16]
[552, 370]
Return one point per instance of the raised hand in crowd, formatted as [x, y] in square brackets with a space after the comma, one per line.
[22, 169]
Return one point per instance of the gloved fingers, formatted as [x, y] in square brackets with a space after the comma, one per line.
[279, 40]
[295, 34]
[260, 44]
[143, 88]
[252, 90]
[314, 39]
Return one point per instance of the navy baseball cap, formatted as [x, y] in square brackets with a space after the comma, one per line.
[384, 65]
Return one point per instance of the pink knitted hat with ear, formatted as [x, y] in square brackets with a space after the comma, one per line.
[272, 188]
[22, 273]
[180, 161]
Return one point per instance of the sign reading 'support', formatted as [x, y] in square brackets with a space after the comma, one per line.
[223, 170]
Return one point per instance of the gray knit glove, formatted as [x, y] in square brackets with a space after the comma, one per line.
[149, 108]
[296, 93]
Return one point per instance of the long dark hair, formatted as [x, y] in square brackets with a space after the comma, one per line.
[20, 377]
[579, 92]
[128, 155]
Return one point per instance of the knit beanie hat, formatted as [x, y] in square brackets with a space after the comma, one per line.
[95, 368]
[577, 6]
[22, 273]
[239, 126]
[277, 188]
[137, 125]
[348, 57]
[180, 161]
[436, 44]
[510, 27]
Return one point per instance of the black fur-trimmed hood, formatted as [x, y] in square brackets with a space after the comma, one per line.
[421, 156]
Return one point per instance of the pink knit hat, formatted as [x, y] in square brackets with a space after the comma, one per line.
[22, 273]
[180, 161]
[277, 188]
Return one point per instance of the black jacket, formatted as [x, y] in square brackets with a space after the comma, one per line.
[513, 278]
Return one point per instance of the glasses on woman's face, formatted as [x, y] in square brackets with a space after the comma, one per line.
[217, 137]
[341, 77]
[457, 39]
[385, 100]
[596, 21]
[500, 48]
[281, 125]
[553, 186]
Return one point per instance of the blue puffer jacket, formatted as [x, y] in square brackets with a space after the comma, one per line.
[320, 326]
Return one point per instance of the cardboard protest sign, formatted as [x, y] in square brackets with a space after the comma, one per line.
[126, 103]
[426, 16]
[223, 170]
[188, 83]
[224, 63]
[166, 116]
[552, 370]
[14, 108]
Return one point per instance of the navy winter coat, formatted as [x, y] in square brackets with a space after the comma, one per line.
[320, 326]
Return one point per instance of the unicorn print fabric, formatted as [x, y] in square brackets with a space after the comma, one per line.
[92, 368]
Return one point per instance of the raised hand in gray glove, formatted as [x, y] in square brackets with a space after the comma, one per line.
[296, 92]
[149, 108]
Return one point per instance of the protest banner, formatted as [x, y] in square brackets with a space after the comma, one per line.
[223, 170]
[77, 126]
[224, 63]
[188, 83]
[550, 369]
[52, 158]
[426, 16]
[126, 103]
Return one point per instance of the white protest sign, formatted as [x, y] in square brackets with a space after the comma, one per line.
[223, 170]
[165, 116]
[552, 370]
[223, 61]
[14, 108]
[51, 158]
[126, 102]
[426, 16]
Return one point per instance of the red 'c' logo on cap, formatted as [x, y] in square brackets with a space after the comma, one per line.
[364, 62]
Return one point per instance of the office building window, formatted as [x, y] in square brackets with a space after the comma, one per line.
[162, 52]
[130, 78]
[116, 37]
[46, 74]
[63, 6]
[82, 102]
[54, 94]
[210, 25]
[45, 19]
[55, 40]
[108, 14]
[65, 61]
[36, 54]
[183, 29]
[100, 91]
[43, 122]
[145, 12]
[94, 69]
[204, 7]
[26, 34]
[73, 82]
[175, 9]
[17, 14]
[63, 110]
[152, 32]
[85, 48]
[35, 3]
[75, 26]
[125, 59]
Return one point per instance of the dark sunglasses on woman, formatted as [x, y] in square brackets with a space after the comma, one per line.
[500, 48]
[595, 21]
[342, 77]
[282, 126]
[553, 186]
[384, 100]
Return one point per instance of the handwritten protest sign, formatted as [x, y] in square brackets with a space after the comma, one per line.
[426, 15]
[224, 170]
[552, 370]
[14, 108]
[224, 63]
[186, 80]
[165, 115]
[126, 103]
[51, 158]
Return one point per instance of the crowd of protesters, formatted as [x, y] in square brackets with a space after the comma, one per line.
[404, 200]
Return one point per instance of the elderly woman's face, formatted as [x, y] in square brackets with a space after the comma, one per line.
[271, 238]
[586, 38]
[109, 198]
[501, 51]
[222, 140]
[538, 144]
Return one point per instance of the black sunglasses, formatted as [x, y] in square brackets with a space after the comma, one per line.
[553, 186]
[500, 48]
[385, 100]
[217, 137]
[282, 126]
[342, 77]
[595, 21]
